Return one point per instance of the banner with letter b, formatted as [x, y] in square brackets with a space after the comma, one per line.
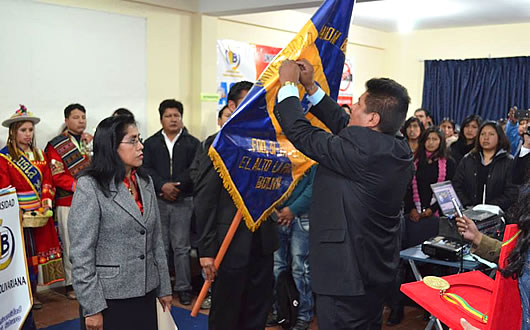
[15, 288]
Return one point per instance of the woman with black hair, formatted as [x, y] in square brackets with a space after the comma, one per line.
[448, 126]
[412, 130]
[117, 252]
[488, 166]
[433, 165]
[123, 112]
[518, 260]
[466, 137]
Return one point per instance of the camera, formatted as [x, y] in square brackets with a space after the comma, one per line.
[522, 114]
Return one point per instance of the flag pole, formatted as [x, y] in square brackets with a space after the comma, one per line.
[218, 259]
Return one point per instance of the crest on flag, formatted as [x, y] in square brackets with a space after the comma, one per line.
[258, 165]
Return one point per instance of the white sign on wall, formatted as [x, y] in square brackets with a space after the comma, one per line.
[346, 84]
[15, 289]
[235, 62]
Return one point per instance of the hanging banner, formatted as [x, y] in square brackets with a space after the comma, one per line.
[346, 84]
[15, 289]
[264, 56]
[257, 163]
[235, 62]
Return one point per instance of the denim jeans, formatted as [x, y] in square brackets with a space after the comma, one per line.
[294, 249]
[524, 289]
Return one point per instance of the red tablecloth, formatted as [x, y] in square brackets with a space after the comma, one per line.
[499, 299]
[474, 287]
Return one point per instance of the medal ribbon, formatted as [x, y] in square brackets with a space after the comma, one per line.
[462, 304]
[512, 238]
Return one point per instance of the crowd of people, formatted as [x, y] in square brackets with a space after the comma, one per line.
[477, 157]
[126, 211]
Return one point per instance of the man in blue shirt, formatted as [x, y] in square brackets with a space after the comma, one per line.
[515, 128]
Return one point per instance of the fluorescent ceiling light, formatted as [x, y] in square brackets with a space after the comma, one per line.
[405, 25]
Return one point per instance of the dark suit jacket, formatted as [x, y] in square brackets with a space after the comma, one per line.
[157, 163]
[213, 214]
[357, 197]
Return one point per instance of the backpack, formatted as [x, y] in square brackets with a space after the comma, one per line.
[288, 300]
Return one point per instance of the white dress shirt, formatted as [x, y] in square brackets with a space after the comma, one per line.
[169, 143]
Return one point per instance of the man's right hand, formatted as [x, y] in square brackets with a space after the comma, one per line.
[285, 216]
[208, 266]
[94, 322]
[468, 229]
[170, 191]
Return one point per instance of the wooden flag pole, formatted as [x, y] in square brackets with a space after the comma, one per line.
[218, 259]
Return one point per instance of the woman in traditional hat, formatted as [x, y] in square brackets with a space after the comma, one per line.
[23, 166]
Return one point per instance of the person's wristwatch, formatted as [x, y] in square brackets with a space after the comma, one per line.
[290, 83]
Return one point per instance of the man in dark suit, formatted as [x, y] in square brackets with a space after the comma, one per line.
[360, 183]
[242, 290]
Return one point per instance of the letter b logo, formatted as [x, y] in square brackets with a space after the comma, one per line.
[4, 241]
[7, 247]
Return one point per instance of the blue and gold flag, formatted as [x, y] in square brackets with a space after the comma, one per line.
[258, 165]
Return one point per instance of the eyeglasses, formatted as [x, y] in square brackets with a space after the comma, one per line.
[134, 141]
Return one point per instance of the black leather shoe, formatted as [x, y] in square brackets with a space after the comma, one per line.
[301, 325]
[395, 317]
[184, 297]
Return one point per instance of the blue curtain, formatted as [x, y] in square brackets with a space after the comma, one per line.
[488, 87]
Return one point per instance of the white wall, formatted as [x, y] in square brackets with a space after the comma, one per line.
[168, 51]
[53, 56]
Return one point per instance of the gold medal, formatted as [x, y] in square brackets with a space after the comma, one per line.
[436, 282]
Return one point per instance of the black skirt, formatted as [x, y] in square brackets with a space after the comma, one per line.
[131, 313]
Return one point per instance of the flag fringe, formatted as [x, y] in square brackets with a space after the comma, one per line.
[230, 187]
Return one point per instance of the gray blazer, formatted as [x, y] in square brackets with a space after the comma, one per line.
[116, 252]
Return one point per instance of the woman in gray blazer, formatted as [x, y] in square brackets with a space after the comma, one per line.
[117, 253]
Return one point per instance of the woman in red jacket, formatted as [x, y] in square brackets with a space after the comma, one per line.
[24, 167]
